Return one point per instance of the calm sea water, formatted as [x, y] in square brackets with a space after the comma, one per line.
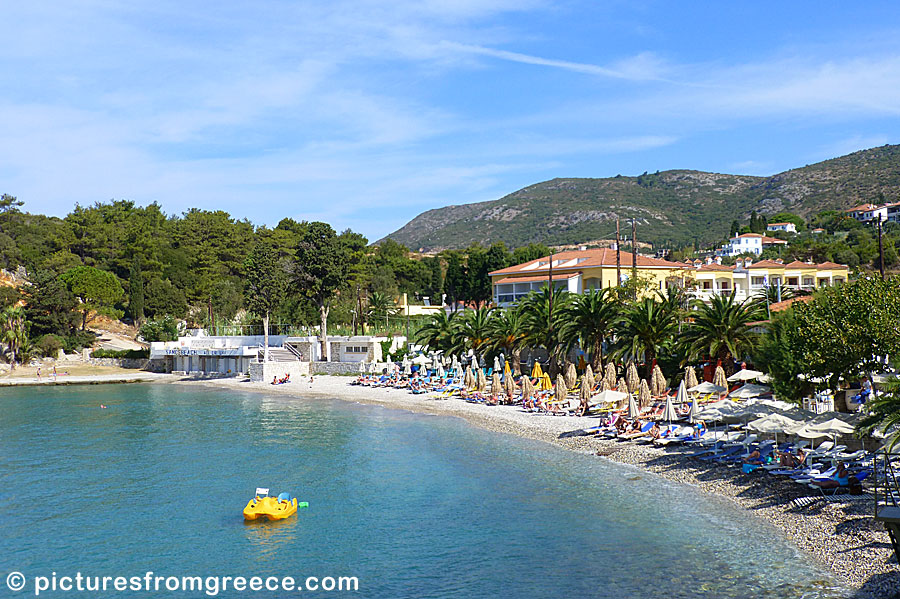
[412, 505]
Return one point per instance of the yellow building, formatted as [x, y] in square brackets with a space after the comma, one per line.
[579, 270]
[748, 278]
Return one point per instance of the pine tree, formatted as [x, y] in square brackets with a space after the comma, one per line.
[136, 291]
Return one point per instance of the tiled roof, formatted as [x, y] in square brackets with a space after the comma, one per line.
[537, 279]
[766, 264]
[862, 208]
[798, 264]
[832, 266]
[716, 267]
[777, 224]
[773, 240]
[585, 259]
[779, 306]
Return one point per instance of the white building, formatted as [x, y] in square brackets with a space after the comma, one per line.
[748, 243]
[869, 212]
[786, 227]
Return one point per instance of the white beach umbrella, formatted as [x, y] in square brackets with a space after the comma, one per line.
[772, 423]
[669, 412]
[608, 396]
[749, 390]
[373, 367]
[706, 387]
[744, 375]
[407, 368]
[362, 367]
[440, 371]
[421, 360]
[389, 362]
[695, 410]
[497, 364]
[633, 411]
[829, 428]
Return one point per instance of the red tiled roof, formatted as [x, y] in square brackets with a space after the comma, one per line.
[861, 208]
[593, 258]
[832, 266]
[798, 264]
[779, 306]
[716, 267]
[536, 279]
[766, 240]
[766, 264]
[750, 235]
[777, 224]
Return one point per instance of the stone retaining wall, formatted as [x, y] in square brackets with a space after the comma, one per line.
[266, 371]
[334, 367]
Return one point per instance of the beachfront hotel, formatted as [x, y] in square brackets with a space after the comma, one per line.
[580, 270]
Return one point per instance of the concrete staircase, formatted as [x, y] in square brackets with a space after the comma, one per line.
[279, 354]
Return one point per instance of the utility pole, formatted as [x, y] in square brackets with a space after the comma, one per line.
[618, 256]
[358, 312]
[880, 250]
[550, 285]
[634, 254]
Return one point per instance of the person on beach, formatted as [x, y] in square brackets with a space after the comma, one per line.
[39, 373]
[754, 457]
[841, 478]
[654, 431]
[54, 372]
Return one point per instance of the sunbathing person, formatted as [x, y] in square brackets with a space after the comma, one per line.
[789, 460]
[754, 457]
[841, 478]
[654, 430]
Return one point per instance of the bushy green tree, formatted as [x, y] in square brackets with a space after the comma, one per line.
[161, 329]
[721, 329]
[589, 319]
[97, 291]
[266, 283]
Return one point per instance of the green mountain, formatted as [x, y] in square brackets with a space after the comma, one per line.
[670, 207]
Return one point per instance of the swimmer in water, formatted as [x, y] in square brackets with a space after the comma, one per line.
[102, 407]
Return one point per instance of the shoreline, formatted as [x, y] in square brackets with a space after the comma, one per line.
[842, 535]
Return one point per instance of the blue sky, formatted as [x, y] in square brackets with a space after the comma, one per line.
[364, 114]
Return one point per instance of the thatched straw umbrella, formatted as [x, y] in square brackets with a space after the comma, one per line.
[589, 373]
[632, 379]
[690, 377]
[622, 386]
[644, 397]
[610, 376]
[658, 383]
[604, 386]
[510, 386]
[562, 391]
[719, 377]
[480, 381]
[496, 384]
[469, 378]
[585, 394]
[527, 389]
[570, 375]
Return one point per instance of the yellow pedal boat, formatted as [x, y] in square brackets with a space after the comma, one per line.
[273, 508]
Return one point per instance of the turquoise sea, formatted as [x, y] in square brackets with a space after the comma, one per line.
[412, 505]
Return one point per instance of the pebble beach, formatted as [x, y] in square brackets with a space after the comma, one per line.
[841, 534]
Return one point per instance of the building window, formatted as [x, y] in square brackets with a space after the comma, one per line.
[355, 349]
[758, 281]
[807, 281]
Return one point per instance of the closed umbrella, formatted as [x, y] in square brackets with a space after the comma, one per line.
[695, 410]
[690, 377]
[584, 394]
[570, 376]
[407, 367]
[622, 386]
[610, 375]
[527, 388]
[362, 367]
[440, 371]
[496, 364]
[562, 391]
[546, 384]
[633, 411]
[507, 373]
[510, 387]
[631, 377]
[603, 385]
[537, 372]
[469, 378]
[644, 397]
[719, 378]
[669, 412]
[455, 365]
[658, 382]
[496, 385]
[373, 367]
[589, 376]
[480, 380]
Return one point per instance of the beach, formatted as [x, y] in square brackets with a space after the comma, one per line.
[841, 534]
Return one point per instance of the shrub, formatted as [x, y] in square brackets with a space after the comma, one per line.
[49, 345]
[77, 340]
[160, 329]
[132, 354]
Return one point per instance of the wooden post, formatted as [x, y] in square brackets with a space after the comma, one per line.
[634, 255]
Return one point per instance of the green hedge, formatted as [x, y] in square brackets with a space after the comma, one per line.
[134, 354]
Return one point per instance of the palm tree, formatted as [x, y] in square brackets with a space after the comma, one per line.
[543, 322]
[721, 329]
[645, 327]
[589, 319]
[441, 332]
[381, 306]
[12, 327]
[883, 415]
[507, 332]
[475, 328]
